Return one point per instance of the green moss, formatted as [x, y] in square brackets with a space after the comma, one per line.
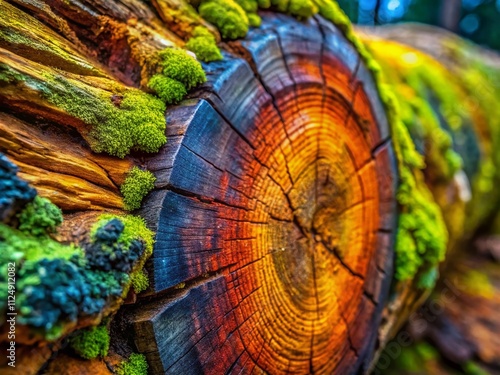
[9, 75]
[136, 186]
[169, 90]
[178, 73]
[227, 16]
[18, 246]
[135, 229]
[140, 281]
[135, 365]
[126, 120]
[179, 65]
[203, 44]
[250, 7]
[40, 217]
[254, 19]
[302, 8]
[91, 343]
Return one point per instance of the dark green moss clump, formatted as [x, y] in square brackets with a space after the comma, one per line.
[40, 217]
[91, 343]
[203, 44]
[135, 365]
[136, 186]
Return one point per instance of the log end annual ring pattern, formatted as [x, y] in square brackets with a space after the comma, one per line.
[275, 208]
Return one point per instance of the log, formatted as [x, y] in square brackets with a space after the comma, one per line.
[276, 204]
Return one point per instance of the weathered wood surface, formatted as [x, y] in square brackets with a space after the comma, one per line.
[274, 212]
[274, 204]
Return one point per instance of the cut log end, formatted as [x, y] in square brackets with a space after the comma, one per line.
[275, 214]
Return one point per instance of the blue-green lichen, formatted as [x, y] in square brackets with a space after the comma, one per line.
[59, 284]
[134, 230]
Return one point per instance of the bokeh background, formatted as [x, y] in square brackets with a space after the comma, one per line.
[477, 20]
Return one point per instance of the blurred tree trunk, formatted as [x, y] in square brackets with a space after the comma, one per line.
[450, 14]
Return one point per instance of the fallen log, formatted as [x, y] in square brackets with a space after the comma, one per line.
[279, 194]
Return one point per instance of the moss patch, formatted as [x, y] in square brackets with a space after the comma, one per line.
[227, 15]
[40, 217]
[203, 44]
[169, 90]
[59, 284]
[134, 229]
[136, 186]
[178, 72]
[135, 365]
[91, 343]
[140, 281]
[121, 121]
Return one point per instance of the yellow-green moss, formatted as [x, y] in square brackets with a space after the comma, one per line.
[123, 121]
[91, 343]
[140, 281]
[136, 186]
[179, 65]
[227, 16]
[169, 90]
[16, 246]
[136, 364]
[203, 44]
[302, 9]
[178, 72]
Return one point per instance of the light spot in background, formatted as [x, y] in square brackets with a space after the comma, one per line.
[392, 10]
[498, 5]
[393, 5]
[410, 58]
[470, 23]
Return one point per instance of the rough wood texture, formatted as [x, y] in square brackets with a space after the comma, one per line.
[274, 207]
[275, 200]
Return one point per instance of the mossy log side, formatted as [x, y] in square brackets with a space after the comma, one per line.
[274, 207]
